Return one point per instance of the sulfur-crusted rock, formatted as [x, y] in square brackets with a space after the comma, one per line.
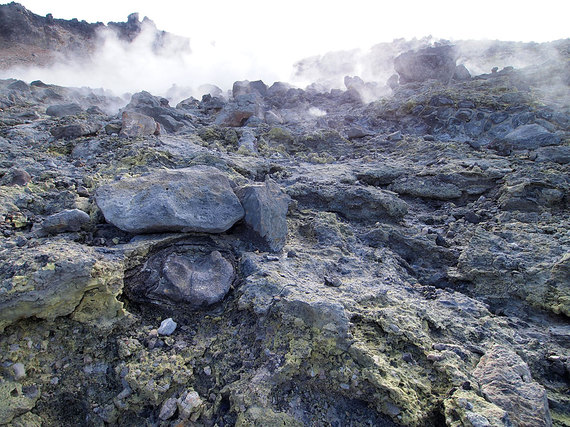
[61, 278]
[506, 381]
[265, 213]
[16, 400]
[192, 199]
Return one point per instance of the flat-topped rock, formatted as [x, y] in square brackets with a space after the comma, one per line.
[196, 199]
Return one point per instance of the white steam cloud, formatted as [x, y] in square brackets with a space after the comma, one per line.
[173, 70]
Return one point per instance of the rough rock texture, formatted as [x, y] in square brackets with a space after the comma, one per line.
[191, 199]
[265, 213]
[30, 39]
[506, 381]
[423, 263]
[136, 124]
[61, 222]
[430, 63]
[60, 278]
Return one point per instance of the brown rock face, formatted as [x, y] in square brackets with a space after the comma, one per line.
[506, 381]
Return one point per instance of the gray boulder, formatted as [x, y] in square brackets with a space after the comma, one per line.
[430, 63]
[245, 87]
[426, 187]
[461, 73]
[554, 154]
[266, 213]
[192, 199]
[136, 124]
[169, 118]
[527, 137]
[198, 282]
[62, 110]
[75, 130]
[352, 202]
[236, 113]
[67, 220]
[506, 381]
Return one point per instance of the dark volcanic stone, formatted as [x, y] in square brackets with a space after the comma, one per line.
[265, 213]
[171, 277]
[429, 63]
[68, 220]
[192, 199]
[75, 130]
[63, 110]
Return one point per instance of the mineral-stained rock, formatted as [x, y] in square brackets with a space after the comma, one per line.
[137, 124]
[67, 220]
[192, 199]
[536, 266]
[265, 213]
[62, 110]
[61, 278]
[506, 381]
[429, 188]
[259, 417]
[15, 400]
[189, 403]
[352, 202]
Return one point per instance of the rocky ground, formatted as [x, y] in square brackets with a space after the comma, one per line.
[289, 257]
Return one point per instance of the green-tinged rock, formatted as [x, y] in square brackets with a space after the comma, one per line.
[523, 264]
[60, 278]
[16, 400]
[467, 408]
[261, 417]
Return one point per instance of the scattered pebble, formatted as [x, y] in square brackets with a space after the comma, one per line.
[167, 327]
[19, 370]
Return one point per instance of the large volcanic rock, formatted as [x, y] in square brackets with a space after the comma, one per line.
[430, 63]
[265, 213]
[192, 199]
[506, 381]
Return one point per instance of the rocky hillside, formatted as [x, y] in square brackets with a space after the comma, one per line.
[29, 39]
[284, 257]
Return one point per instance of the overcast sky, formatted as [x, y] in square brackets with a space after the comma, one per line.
[304, 27]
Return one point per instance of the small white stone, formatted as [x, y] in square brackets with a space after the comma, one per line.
[19, 370]
[167, 327]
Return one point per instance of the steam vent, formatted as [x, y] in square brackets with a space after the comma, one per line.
[393, 250]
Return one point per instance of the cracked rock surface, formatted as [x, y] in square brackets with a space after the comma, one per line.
[314, 275]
